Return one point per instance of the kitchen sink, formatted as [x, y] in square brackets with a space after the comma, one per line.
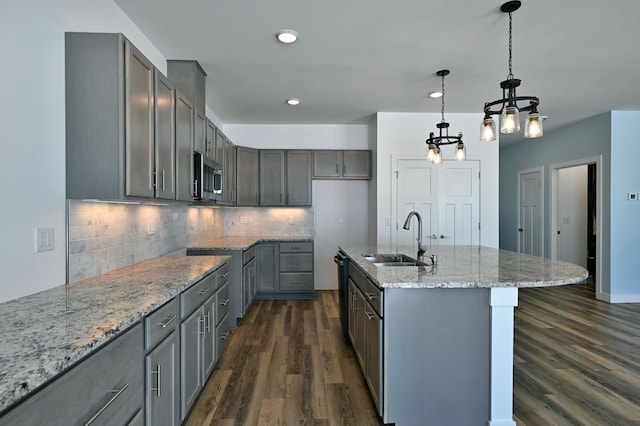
[396, 259]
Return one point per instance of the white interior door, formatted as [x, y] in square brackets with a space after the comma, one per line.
[459, 206]
[530, 213]
[447, 196]
[416, 190]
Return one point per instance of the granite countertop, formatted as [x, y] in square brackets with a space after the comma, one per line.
[243, 242]
[45, 333]
[469, 267]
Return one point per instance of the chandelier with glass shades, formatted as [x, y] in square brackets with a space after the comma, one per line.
[434, 142]
[509, 108]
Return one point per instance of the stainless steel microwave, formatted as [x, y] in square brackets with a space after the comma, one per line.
[207, 178]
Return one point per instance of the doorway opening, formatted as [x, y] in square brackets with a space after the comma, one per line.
[576, 216]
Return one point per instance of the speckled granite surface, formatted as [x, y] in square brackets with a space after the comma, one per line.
[469, 267]
[45, 333]
[242, 242]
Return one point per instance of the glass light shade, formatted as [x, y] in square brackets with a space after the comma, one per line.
[438, 157]
[488, 130]
[461, 154]
[533, 126]
[510, 120]
[431, 152]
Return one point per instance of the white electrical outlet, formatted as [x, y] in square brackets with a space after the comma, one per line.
[244, 220]
[292, 220]
[44, 239]
[151, 230]
[631, 196]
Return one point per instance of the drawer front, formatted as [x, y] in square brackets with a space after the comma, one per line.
[296, 262]
[222, 303]
[106, 387]
[223, 275]
[248, 254]
[194, 296]
[374, 295]
[358, 277]
[222, 336]
[303, 246]
[296, 282]
[160, 323]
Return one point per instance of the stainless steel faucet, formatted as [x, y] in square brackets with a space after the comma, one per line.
[407, 223]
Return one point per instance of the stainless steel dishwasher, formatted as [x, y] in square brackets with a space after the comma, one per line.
[342, 261]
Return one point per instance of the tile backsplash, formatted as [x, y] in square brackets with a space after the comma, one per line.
[107, 236]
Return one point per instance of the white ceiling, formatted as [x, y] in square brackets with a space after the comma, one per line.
[356, 57]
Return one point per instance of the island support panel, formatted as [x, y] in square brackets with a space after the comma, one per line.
[437, 348]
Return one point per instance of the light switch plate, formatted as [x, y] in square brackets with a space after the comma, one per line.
[44, 239]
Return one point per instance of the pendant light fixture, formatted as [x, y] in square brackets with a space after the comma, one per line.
[510, 110]
[434, 154]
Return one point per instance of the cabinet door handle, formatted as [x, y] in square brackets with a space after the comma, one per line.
[155, 180]
[167, 321]
[224, 336]
[207, 322]
[225, 302]
[195, 188]
[157, 373]
[163, 179]
[105, 406]
[201, 326]
[201, 292]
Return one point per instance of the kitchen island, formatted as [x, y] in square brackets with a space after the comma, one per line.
[435, 342]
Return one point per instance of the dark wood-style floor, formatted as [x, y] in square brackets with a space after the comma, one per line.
[577, 362]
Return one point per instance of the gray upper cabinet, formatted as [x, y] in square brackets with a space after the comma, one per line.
[139, 121]
[341, 164]
[111, 129]
[285, 178]
[298, 178]
[272, 177]
[220, 147]
[210, 140]
[189, 78]
[165, 138]
[184, 147]
[200, 134]
[246, 176]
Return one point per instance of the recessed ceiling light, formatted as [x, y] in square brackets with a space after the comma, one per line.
[435, 95]
[287, 36]
[293, 101]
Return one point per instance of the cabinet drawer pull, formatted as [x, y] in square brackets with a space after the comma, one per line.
[224, 336]
[167, 321]
[371, 296]
[105, 406]
[225, 302]
[157, 373]
[369, 316]
[225, 275]
[201, 292]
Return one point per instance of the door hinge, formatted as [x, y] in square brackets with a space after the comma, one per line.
[478, 225]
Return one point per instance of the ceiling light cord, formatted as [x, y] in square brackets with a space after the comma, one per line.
[510, 76]
[442, 108]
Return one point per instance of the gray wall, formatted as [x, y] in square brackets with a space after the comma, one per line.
[614, 136]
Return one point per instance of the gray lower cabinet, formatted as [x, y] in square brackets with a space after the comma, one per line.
[246, 172]
[104, 389]
[296, 268]
[249, 277]
[197, 350]
[267, 268]
[185, 133]
[366, 328]
[161, 365]
[341, 164]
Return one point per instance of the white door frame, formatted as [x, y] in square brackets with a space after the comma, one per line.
[540, 204]
[553, 213]
[394, 193]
